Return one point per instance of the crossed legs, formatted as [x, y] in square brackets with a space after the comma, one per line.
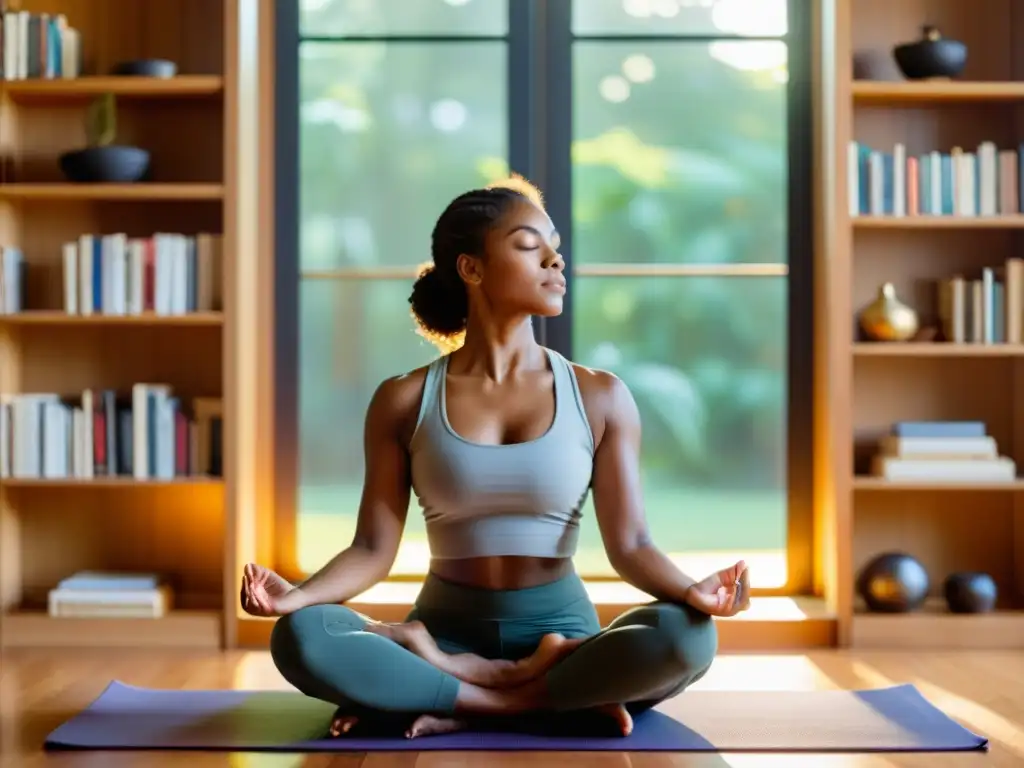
[648, 654]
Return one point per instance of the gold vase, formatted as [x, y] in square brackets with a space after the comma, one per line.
[887, 318]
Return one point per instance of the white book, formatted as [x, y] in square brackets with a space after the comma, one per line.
[71, 291]
[939, 447]
[935, 159]
[1001, 469]
[85, 273]
[988, 183]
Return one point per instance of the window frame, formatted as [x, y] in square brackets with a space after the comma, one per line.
[540, 45]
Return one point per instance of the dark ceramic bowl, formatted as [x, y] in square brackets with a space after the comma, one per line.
[111, 164]
[147, 68]
[931, 58]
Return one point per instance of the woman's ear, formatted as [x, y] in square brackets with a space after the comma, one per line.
[469, 269]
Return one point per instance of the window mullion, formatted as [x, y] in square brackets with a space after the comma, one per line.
[554, 91]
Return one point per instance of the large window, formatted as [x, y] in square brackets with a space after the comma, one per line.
[669, 137]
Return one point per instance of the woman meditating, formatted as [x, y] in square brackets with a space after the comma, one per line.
[501, 439]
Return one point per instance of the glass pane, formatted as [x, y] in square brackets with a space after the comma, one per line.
[352, 335]
[389, 133]
[403, 17]
[706, 361]
[749, 18]
[680, 152]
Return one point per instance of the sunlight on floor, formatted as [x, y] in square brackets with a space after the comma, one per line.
[975, 717]
[763, 673]
[969, 713]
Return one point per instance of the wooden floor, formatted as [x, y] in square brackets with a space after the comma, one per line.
[984, 691]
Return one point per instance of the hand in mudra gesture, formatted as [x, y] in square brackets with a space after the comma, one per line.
[724, 593]
[264, 592]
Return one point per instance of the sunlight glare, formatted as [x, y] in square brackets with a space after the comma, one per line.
[639, 9]
[614, 89]
[638, 68]
[750, 56]
[754, 18]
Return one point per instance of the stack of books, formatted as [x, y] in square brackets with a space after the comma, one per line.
[941, 451]
[95, 594]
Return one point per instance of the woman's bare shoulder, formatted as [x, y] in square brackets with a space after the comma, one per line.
[396, 401]
[605, 396]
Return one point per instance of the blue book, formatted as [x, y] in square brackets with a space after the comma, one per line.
[98, 580]
[946, 162]
[939, 429]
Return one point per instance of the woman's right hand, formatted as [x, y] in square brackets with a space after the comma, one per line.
[265, 593]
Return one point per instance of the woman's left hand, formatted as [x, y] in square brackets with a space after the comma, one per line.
[725, 593]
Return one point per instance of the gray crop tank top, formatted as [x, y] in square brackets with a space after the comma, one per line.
[524, 499]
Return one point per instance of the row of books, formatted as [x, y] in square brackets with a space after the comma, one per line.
[38, 45]
[941, 451]
[961, 182]
[99, 594]
[167, 274]
[147, 435]
[984, 309]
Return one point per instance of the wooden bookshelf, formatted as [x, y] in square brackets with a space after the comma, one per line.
[178, 528]
[154, 192]
[938, 222]
[904, 92]
[58, 318]
[948, 526]
[935, 349]
[60, 92]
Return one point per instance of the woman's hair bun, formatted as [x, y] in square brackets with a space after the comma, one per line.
[440, 310]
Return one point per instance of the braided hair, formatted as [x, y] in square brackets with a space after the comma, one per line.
[440, 304]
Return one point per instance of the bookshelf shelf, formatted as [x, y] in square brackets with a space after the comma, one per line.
[878, 484]
[917, 92]
[938, 222]
[110, 482]
[178, 629]
[58, 91]
[933, 627]
[139, 192]
[935, 349]
[58, 318]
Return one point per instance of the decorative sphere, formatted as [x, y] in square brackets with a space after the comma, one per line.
[893, 582]
[970, 592]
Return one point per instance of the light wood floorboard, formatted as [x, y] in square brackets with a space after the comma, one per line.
[983, 690]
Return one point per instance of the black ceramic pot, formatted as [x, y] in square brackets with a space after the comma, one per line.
[147, 68]
[110, 164]
[931, 56]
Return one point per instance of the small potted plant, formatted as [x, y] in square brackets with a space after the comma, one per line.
[103, 161]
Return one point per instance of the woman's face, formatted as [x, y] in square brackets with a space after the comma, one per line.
[522, 271]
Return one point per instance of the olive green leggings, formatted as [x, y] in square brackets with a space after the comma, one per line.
[646, 655]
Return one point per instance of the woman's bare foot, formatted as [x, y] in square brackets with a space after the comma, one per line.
[342, 724]
[431, 725]
[473, 669]
[618, 713]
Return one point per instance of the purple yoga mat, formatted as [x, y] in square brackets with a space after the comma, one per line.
[897, 719]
